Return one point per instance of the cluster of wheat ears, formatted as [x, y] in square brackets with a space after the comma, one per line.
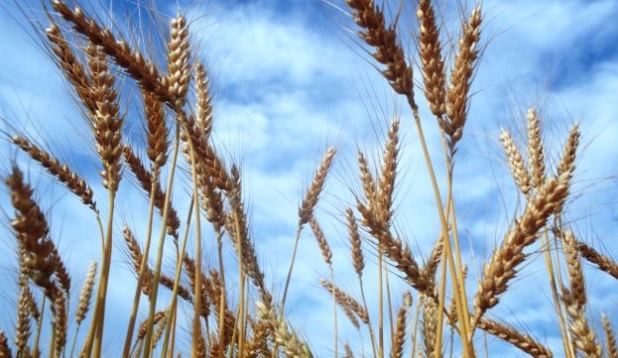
[233, 312]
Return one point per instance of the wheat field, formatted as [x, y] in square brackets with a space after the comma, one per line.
[325, 179]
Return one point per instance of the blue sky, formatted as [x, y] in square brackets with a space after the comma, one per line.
[290, 81]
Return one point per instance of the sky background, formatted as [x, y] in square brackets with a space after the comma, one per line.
[291, 79]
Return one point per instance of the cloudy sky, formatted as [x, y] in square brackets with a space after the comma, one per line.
[291, 79]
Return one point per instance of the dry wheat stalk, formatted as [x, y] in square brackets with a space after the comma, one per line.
[519, 340]
[536, 158]
[430, 53]
[179, 68]
[86, 294]
[288, 340]
[140, 69]
[502, 266]
[5, 350]
[106, 120]
[345, 300]
[399, 334]
[457, 95]
[389, 51]
[311, 197]
[74, 182]
[516, 163]
[610, 338]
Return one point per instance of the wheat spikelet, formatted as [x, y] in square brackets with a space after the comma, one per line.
[431, 266]
[140, 69]
[5, 350]
[156, 130]
[358, 258]
[567, 162]
[575, 300]
[519, 340]
[327, 254]
[610, 338]
[32, 233]
[62, 275]
[22, 327]
[369, 185]
[292, 346]
[388, 50]
[345, 300]
[604, 263]
[502, 266]
[457, 95]
[160, 315]
[203, 106]
[86, 294]
[399, 335]
[347, 351]
[384, 199]
[75, 183]
[179, 69]
[59, 322]
[311, 197]
[72, 68]
[516, 163]
[106, 120]
[257, 345]
[430, 53]
[536, 158]
[429, 325]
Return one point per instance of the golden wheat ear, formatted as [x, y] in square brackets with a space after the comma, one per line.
[5, 350]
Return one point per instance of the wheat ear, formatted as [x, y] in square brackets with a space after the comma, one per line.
[610, 338]
[430, 53]
[522, 341]
[502, 266]
[388, 51]
[74, 182]
[292, 346]
[536, 158]
[5, 350]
